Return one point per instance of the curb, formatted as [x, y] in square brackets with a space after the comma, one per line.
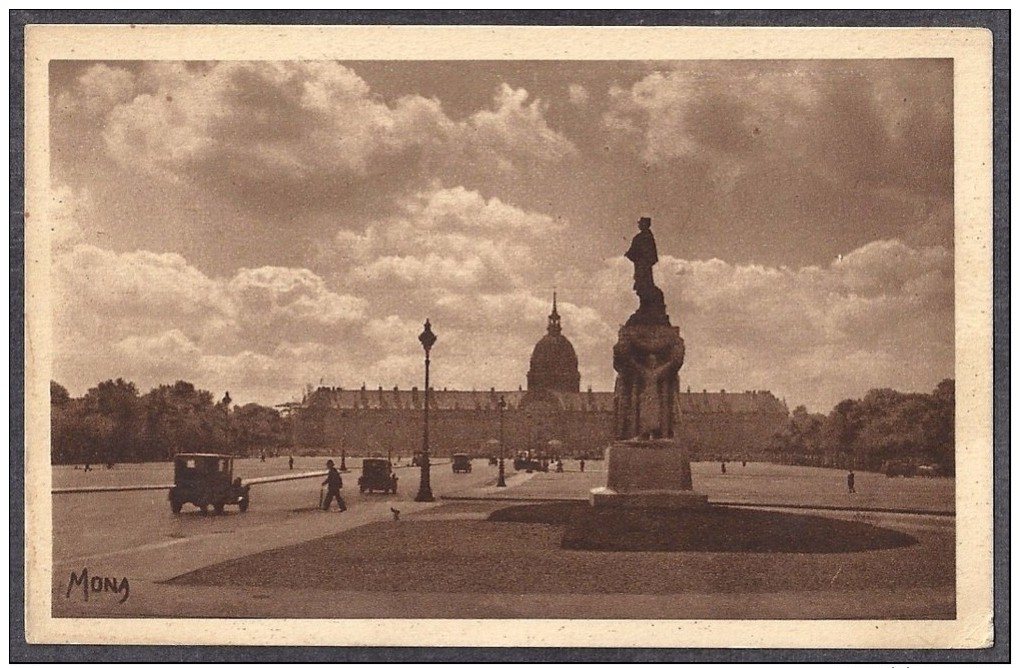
[737, 504]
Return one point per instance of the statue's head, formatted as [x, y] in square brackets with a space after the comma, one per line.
[645, 223]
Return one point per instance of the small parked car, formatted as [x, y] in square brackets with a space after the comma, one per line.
[461, 462]
[377, 475]
[206, 479]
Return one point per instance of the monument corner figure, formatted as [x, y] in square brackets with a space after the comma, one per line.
[647, 466]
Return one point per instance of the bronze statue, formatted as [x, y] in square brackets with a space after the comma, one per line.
[644, 255]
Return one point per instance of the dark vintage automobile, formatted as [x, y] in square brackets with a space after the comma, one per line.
[461, 462]
[531, 460]
[377, 475]
[205, 480]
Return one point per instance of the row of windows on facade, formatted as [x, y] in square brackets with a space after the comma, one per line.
[590, 401]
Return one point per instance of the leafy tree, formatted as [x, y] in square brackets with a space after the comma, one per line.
[59, 396]
[113, 414]
[112, 423]
[180, 418]
[256, 427]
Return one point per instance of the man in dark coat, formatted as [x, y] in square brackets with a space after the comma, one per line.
[333, 483]
[644, 255]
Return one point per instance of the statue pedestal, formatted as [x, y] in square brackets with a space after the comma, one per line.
[648, 474]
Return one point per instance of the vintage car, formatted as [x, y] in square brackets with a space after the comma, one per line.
[204, 480]
[461, 462]
[377, 474]
[531, 460]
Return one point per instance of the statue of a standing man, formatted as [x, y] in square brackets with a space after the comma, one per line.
[644, 255]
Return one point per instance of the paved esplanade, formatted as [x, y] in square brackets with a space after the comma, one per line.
[134, 535]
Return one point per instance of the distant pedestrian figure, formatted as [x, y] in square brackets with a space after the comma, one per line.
[88, 467]
[333, 484]
[559, 466]
[724, 467]
[582, 464]
[290, 462]
[743, 464]
[850, 483]
[262, 457]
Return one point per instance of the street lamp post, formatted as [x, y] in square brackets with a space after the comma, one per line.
[427, 339]
[343, 457]
[501, 481]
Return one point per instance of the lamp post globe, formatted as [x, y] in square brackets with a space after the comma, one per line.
[427, 339]
[501, 481]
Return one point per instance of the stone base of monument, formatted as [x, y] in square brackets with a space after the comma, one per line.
[648, 474]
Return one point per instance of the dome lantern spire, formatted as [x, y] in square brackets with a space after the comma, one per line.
[554, 319]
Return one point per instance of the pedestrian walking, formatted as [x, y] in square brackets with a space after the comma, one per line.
[582, 464]
[290, 462]
[724, 467]
[850, 483]
[333, 484]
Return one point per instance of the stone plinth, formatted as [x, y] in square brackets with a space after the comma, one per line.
[652, 473]
[647, 359]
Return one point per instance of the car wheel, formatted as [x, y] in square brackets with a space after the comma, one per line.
[204, 508]
[218, 508]
[175, 507]
[243, 505]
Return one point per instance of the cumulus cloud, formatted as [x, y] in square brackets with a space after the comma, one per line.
[444, 239]
[880, 316]
[849, 121]
[309, 131]
[157, 312]
[798, 158]
[316, 220]
[450, 254]
[515, 131]
[577, 94]
[283, 303]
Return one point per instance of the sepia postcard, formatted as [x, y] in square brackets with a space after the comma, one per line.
[508, 336]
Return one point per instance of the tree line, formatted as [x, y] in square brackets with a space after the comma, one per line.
[113, 423]
[884, 426]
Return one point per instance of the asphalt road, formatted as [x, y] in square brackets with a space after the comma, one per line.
[92, 526]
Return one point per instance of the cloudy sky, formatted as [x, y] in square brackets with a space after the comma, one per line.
[256, 227]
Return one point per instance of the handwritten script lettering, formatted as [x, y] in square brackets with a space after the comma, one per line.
[98, 585]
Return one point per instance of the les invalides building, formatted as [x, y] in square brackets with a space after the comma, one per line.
[552, 415]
